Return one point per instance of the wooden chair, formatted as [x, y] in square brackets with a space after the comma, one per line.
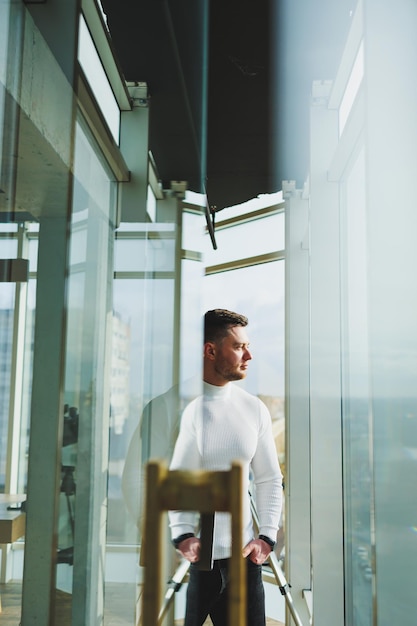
[201, 491]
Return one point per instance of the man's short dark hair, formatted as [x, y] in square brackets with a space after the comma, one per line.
[218, 321]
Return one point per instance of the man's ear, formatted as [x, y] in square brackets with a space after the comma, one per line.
[209, 350]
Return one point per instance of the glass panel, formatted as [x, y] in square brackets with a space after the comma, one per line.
[352, 88]
[27, 387]
[193, 224]
[258, 292]
[83, 487]
[191, 323]
[96, 76]
[7, 300]
[8, 247]
[245, 240]
[161, 250]
[9, 69]
[355, 403]
[142, 370]
[33, 255]
[16, 352]
[151, 204]
[151, 381]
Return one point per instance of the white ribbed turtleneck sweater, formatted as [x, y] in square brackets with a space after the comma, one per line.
[223, 425]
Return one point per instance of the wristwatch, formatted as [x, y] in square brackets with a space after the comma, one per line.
[268, 541]
[176, 542]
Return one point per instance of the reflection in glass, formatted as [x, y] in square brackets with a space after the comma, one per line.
[143, 399]
[26, 387]
[142, 367]
[83, 483]
[7, 293]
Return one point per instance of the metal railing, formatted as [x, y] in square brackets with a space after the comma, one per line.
[174, 585]
[177, 579]
[282, 583]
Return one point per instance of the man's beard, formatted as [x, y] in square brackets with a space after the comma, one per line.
[230, 374]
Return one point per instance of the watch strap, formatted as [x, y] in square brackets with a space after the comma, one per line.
[176, 542]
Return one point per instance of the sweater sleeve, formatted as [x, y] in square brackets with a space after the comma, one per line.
[267, 478]
[186, 456]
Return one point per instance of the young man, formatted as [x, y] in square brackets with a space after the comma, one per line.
[225, 424]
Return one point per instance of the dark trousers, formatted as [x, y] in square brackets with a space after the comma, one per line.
[207, 595]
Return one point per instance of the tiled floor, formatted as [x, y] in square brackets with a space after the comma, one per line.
[119, 607]
[269, 622]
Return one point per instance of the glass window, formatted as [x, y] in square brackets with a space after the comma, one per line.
[26, 386]
[8, 247]
[16, 337]
[191, 320]
[356, 416]
[86, 410]
[158, 250]
[352, 88]
[142, 360]
[151, 204]
[7, 300]
[193, 224]
[96, 76]
[257, 237]
[33, 254]
[157, 321]
[259, 293]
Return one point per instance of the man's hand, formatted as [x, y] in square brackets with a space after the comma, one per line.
[190, 549]
[257, 550]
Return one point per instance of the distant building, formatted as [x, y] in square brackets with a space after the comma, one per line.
[120, 374]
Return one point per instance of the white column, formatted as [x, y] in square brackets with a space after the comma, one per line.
[134, 145]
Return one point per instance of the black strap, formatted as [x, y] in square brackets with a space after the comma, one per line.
[176, 542]
[268, 541]
[205, 562]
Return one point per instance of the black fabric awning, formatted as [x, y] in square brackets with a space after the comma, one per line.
[229, 82]
[208, 74]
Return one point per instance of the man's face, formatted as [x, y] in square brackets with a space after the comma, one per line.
[231, 355]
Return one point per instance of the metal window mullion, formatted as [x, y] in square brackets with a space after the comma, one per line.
[191, 255]
[146, 275]
[144, 234]
[238, 220]
[177, 298]
[243, 263]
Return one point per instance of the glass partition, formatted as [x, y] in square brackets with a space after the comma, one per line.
[154, 373]
[257, 291]
[356, 393]
[86, 410]
[7, 299]
[29, 320]
[144, 312]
